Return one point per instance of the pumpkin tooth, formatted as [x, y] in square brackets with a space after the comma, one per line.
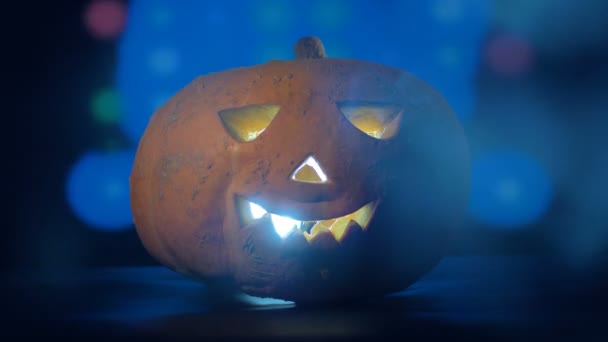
[318, 227]
[339, 226]
[364, 215]
[306, 226]
[264, 221]
[284, 225]
[295, 244]
[323, 240]
[308, 236]
[322, 225]
[352, 233]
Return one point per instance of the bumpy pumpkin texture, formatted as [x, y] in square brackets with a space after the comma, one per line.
[314, 179]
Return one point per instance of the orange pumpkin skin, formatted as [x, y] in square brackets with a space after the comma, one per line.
[188, 171]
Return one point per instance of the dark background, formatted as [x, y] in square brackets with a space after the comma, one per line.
[60, 65]
[553, 108]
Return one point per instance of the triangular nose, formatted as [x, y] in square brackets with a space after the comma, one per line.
[309, 171]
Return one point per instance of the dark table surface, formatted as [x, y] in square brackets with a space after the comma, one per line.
[463, 298]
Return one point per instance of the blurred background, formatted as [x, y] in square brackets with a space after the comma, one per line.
[528, 80]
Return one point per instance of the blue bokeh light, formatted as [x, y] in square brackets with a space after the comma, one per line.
[98, 189]
[167, 43]
[508, 189]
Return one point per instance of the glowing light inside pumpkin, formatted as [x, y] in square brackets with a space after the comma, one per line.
[284, 225]
[309, 172]
[257, 212]
[380, 121]
[247, 123]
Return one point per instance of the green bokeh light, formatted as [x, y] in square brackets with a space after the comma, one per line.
[112, 144]
[106, 106]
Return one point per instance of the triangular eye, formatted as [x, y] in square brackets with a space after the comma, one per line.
[247, 123]
[380, 121]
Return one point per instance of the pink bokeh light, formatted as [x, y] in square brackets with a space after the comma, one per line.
[105, 19]
[508, 54]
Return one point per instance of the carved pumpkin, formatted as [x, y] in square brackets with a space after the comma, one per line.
[316, 179]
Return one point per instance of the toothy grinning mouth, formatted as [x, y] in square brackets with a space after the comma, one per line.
[284, 225]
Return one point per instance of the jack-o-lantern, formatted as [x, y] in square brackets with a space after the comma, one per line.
[315, 179]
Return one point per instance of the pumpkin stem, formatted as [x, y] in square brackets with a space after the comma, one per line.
[309, 47]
